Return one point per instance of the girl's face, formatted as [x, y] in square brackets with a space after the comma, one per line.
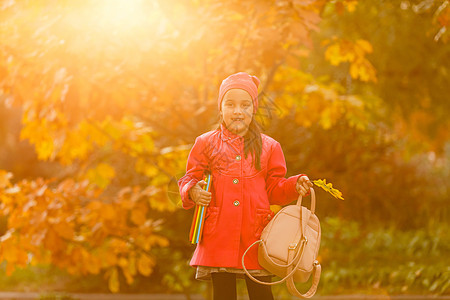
[237, 111]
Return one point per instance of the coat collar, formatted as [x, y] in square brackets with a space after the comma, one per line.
[227, 135]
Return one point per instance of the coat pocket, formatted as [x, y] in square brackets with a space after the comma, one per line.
[212, 214]
[263, 217]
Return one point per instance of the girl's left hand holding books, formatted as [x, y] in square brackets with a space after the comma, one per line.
[303, 185]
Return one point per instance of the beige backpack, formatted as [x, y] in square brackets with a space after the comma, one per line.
[289, 246]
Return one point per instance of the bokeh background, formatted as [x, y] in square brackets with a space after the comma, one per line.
[100, 102]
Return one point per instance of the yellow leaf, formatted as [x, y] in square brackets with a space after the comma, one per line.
[354, 53]
[128, 267]
[275, 208]
[329, 188]
[128, 276]
[365, 45]
[148, 169]
[45, 149]
[76, 145]
[101, 175]
[145, 265]
[111, 129]
[351, 5]
[92, 132]
[132, 264]
[38, 133]
[113, 282]
[123, 262]
[332, 54]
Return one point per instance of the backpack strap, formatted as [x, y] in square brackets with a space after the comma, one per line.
[312, 290]
[290, 270]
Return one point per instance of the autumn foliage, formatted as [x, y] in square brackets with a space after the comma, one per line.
[111, 97]
[70, 226]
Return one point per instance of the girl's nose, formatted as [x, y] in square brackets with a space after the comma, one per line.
[237, 111]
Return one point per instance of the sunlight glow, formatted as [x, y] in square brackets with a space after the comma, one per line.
[117, 14]
[123, 17]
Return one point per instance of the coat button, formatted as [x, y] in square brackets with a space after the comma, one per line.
[236, 203]
[235, 181]
[238, 157]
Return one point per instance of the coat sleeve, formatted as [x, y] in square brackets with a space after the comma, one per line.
[280, 190]
[196, 166]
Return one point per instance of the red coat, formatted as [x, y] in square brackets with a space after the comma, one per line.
[241, 195]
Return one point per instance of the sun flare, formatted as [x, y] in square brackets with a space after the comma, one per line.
[121, 17]
[120, 13]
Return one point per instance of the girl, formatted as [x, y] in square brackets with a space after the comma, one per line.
[248, 175]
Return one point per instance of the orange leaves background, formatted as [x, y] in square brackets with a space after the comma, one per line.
[66, 226]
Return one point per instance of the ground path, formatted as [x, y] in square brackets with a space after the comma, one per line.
[36, 296]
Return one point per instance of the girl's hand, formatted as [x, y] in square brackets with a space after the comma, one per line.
[303, 185]
[199, 195]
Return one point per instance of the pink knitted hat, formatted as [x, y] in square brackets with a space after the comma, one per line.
[242, 81]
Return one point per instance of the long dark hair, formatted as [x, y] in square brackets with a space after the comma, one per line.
[253, 143]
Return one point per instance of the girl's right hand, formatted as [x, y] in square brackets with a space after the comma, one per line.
[199, 195]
